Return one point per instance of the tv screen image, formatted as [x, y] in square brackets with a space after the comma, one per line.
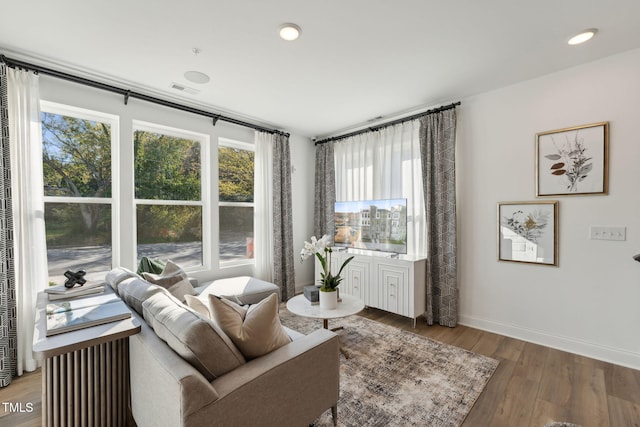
[377, 225]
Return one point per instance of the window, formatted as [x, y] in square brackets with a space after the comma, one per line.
[168, 177]
[236, 161]
[78, 169]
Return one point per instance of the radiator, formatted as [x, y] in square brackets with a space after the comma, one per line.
[87, 387]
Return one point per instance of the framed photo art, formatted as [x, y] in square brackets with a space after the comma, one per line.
[528, 232]
[573, 161]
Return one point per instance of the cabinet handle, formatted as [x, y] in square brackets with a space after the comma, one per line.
[391, 295]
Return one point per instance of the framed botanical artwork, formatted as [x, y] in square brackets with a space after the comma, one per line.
[528, 232]
[573, 161]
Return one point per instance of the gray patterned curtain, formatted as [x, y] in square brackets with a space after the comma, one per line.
[8, 313]
[325, 188]
[283, 261]
[437, 151]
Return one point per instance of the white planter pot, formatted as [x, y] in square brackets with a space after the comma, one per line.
[328, 300]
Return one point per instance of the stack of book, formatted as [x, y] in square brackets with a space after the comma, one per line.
[67, 316]
[62, 292]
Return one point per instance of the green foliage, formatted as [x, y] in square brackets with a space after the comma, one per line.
[328, 281]
[166, 167]
[164, 223]
[235, 174]
[76, 162]
[76, 157]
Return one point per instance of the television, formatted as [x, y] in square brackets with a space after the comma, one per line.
[376, 225]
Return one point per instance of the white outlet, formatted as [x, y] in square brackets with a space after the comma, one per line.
[607, 233]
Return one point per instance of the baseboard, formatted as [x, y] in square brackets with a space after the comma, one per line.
[583, 348]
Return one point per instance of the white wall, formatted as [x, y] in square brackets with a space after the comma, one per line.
[302, 185]
[302, 155]
[589, 304]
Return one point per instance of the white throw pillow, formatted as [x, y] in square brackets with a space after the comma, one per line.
[256, 330]
[172, 279]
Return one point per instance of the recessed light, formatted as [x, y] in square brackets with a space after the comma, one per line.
[289, 32]
[583, 36]
[196, 77]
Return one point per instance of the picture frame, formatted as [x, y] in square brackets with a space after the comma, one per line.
[528, 232]
[573, 161]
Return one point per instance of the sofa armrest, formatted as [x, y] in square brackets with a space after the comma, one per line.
[292, 385]
[163, 385]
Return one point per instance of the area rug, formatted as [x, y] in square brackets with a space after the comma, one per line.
[398, 378]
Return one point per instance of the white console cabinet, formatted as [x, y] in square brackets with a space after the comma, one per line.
[395, 284]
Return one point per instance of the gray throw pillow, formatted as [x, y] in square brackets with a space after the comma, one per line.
[134, 291]
[172, 279]
[117, 276]
[196, 339]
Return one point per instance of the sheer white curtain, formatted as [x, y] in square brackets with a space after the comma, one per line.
[263, 206]
[31, 270]
[385, 164]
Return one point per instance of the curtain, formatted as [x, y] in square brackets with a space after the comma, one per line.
[283, 261]
[28, 207]
[263, 206]
[437, 147]
[384, 164]
[8, 316]
[325, 191]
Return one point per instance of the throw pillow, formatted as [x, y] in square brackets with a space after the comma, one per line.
[196, 304]
[172, 279]
[117, 276]
[148, 265]
[256, 330]
[196, 339]
[135, 291]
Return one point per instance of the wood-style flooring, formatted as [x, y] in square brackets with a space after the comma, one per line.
[532, 386]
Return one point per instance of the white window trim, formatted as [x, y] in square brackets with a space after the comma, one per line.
[240, 145]
[114, 122]
[205, 185]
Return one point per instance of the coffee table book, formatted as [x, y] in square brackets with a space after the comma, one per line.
[86, 317]
[76, 303]
[62, 292]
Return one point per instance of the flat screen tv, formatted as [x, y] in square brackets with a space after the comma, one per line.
[377, 225]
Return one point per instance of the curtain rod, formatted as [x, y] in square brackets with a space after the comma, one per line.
[391, 123]
[13, 63]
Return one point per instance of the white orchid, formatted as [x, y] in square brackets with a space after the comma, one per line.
[314, 247]
[322, 251]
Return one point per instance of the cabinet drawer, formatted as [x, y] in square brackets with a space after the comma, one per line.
[393, 282]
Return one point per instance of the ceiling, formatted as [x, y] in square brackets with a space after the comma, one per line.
[355, 60]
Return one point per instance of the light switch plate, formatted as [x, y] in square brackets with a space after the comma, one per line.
[607, 233]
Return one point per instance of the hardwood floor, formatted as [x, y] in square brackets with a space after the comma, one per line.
[535, 385]
[532, 386]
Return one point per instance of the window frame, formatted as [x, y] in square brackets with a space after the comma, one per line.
[240, 145]
[114, 122]
[205, 179]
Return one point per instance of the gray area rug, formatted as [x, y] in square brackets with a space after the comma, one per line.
[398, 378]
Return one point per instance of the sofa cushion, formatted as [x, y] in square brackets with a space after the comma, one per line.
[196, 339]
[255, 329]
[172, 279]
[134, 291]
[242, 289]
[117, 276]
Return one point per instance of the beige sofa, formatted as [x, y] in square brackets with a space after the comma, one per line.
[291, 386]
